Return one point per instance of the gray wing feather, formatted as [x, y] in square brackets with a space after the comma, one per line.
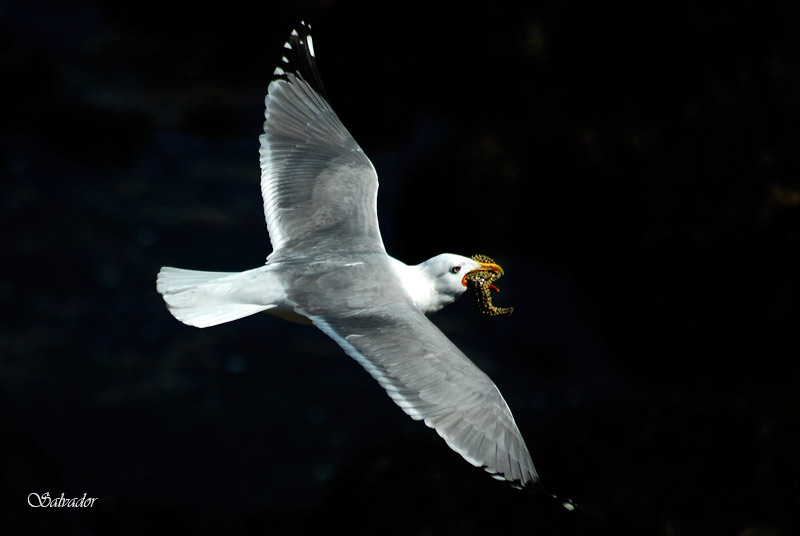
[320, 203]
[432, 380]
[319, 188]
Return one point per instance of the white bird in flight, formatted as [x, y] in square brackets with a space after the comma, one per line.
[329, 267]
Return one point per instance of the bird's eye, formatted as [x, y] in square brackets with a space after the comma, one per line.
[455, 269]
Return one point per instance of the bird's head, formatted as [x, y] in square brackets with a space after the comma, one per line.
[447, 271]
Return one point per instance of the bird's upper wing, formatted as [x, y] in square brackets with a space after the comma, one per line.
[432, 380]
[319, 188]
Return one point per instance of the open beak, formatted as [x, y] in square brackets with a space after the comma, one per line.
[485, 267]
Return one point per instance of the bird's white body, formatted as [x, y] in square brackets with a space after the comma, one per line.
[329, 268]
[204, 299]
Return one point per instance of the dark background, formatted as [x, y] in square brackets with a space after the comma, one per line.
[633, 167]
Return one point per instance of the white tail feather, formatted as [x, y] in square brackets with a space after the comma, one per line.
[204, 299]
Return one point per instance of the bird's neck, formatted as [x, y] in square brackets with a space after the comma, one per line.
[420, 287]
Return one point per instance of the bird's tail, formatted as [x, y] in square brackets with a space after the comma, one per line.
[204, 299]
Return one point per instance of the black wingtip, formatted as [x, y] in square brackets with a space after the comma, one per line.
[554, 501]
[299, 59]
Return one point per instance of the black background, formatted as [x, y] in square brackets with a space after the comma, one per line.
[633, 167]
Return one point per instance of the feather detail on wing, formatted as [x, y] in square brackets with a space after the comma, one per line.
[319, 187]
[432, 380]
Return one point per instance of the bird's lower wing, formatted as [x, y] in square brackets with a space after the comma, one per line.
[432, 380]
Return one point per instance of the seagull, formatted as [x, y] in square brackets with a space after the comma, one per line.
[329, 268]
